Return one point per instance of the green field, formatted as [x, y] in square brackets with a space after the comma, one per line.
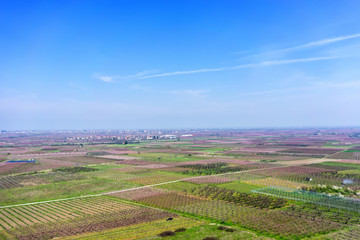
[239, 186]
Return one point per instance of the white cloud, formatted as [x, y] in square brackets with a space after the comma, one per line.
[299, 60]
[266, 63]
[322, 42]
[108, 78]
[149, 74]
[104, 78]
[319, 43]
[184, 72]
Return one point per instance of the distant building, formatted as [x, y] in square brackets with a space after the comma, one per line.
[168, 137]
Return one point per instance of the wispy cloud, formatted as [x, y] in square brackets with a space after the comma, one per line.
[104, 78]
[322, 42]
[318, 43]
[109, 78]
[261, 64]
[184, 72]
[146, 75]
[150, 74]
[299, 60]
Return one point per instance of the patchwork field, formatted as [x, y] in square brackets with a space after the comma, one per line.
[209, 184]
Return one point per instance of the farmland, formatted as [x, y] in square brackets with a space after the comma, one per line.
[215, 184]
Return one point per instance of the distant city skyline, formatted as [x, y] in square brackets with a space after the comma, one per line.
[179, 64]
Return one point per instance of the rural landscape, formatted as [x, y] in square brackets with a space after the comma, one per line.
[179, 120]
[180, 184]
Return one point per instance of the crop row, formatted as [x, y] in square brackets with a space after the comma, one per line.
[346, 155]
[352, 233]
[25, 215]
[214, 168]
[292, 170]
[209, 179]
[169, 200]
[269, 221]
[88, 224]
[269, 182]
[140, 193]
[253, 200]
[36, 179]
[314, 179]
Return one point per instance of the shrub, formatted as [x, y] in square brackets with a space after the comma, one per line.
[222, 228]
[230, 230]
[167, 234]
[227, 229]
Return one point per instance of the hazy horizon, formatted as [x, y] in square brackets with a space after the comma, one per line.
[179, 64]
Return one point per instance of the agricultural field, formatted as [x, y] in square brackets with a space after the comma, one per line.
[200, 184]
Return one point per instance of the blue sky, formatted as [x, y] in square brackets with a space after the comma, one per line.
[179, 64]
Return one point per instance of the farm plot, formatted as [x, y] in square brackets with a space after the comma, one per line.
[347, 154]
[155, 179]
[16, 167]
[239, 186]
[50, 155]
[91, 223]
[84, 159]
[112, 175]
[291, 170]
[268, 221]
[274, 182]
[165, 157]
[137, 194]
[346, 234]
[338, 166]
[245, 176]
[36, 179]
[240, 198]
[61, 190]
[214, 168]
[180, 186]
[41, 164]
[243, 155]
[209, 179]
[117, 157]
[141, 167]
[316, 179]
[25, 215]
[169, 200]
[311, 151]
[142, 230]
